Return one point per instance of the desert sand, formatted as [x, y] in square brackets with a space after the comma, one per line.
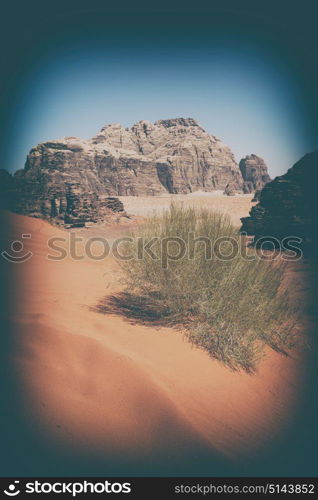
[100, 382]
[235, 206]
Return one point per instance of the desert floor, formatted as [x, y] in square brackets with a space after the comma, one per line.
[235, 206]
[95, 392]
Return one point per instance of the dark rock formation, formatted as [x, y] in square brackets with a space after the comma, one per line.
[257, 195]
[254, 173]
[71, 180]
[287, 205]
[229, 190]
[174, 155]
[52, 198]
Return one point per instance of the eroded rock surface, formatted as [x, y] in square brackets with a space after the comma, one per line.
[254, 172]
[287, 205]
[71, 180]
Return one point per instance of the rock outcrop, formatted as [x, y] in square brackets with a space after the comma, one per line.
[254, 172]
[64, 202]
[257, 195]
[287, 205]
[174, 155]
[229, 191]
[72, 180]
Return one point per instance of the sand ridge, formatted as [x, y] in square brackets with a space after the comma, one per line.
[101, 381]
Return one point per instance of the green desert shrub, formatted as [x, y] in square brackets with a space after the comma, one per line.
[231, 305]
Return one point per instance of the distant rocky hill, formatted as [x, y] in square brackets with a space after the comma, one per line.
[287, 205]
[72, 179]
[254, 172]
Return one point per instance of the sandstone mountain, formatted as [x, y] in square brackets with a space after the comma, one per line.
[254, 172]
[72, 179]
[175, 155]
[287, 205]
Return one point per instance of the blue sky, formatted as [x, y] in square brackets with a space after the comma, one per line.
[238, 92]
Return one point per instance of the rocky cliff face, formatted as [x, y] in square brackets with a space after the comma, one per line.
[174, 155]
[72, 179]
[64, 203]
[287, 205]
[254, 172]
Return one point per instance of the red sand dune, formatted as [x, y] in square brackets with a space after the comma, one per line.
[98, 381]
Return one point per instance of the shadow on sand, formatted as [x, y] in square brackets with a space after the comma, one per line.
[137, 308]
